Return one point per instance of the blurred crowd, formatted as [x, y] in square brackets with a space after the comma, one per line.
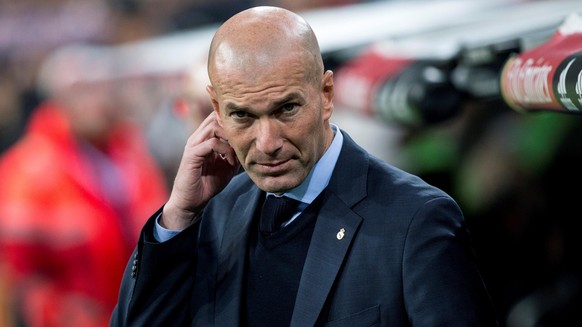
[88, 145]
[88, 150]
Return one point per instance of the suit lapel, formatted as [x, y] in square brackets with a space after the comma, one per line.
[335, 229]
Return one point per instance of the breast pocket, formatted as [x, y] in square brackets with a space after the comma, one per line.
[366, 318]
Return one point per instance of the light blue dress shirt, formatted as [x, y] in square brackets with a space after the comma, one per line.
[305, 192]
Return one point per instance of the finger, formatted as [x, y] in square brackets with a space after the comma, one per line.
[205, 131]
[211, 117]
[210, 130]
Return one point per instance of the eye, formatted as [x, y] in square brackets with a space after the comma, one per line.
[239, 114]
[288, 107]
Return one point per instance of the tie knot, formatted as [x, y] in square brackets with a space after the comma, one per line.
[276, 210]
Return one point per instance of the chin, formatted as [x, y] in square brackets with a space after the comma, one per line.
[279, 184]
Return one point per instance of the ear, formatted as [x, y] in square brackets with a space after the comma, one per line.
[214, 103]
[327, 90]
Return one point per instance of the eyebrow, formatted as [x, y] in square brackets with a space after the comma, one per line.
[288, 98]
[233, 107]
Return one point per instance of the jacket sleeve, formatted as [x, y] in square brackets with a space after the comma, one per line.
[442, 284]
[158, 282]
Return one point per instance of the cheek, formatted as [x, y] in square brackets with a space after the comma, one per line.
[238, 141]
[312, 146]
[230, 133]
[307, 131]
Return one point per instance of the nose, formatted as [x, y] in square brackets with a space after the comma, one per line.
[269, 139]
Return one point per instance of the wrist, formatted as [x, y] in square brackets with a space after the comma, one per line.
[174, 218]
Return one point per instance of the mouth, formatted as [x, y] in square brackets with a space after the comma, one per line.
[273, 168]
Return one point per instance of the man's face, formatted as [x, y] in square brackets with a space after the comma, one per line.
[276, 120]
[91, 110]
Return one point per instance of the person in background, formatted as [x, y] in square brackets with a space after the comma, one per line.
[193, 104]
[75, 189]
[363, 244]
[178, 118]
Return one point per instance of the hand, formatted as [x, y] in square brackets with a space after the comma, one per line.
[208, 164]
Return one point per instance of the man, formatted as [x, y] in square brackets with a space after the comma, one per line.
[369, 245]
[75, 192]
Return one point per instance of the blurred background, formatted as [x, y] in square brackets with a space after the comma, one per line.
[97, 98]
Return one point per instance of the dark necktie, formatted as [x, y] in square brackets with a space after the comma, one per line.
[276, 211]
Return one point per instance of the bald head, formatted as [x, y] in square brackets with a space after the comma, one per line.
[271, 98]
[260, 37]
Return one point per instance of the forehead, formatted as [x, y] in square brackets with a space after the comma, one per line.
[267, 81]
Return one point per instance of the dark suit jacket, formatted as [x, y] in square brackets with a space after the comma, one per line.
[405, 258]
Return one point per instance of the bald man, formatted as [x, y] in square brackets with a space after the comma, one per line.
[366, 244]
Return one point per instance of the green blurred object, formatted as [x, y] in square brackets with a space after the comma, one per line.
[432, 151]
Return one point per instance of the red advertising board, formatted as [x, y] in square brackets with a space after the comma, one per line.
[549, 76]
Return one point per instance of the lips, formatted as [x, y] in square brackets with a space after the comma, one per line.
[272, 164]
[273, 168]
